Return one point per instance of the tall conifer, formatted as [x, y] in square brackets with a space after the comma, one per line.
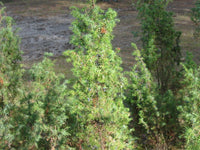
[10, 76]
[97, 93]
[158, 30]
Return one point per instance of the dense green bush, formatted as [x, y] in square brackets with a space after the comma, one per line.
[10, 77]
[157, 26]
[42, 117]
[153, 93]
[141, 97]
[190, 111]
[98, 87]
[195, 17]
[154, 115]
[40, 112]
[10, 56]
[33, 113]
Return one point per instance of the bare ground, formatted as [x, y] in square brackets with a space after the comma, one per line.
[45, 27]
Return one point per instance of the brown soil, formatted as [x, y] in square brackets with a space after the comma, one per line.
[45, 26]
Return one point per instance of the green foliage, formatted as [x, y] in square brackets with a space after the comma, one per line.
[190, 109]
[35, 115]
[97, 93]
[141, 97]
[40, 112]
[153, 92]
[40, 121]
[10, 77]
[10, 56]
[143, 91]
[189, 63]
[43, 109]
[195, 17]
[160, 41]
[155, 112]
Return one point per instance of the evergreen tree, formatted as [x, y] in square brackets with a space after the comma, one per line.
[161, 54]
[97, 92]
[10, 56]
[158, 29]
[10, 77]
[33, 116]
[195, 17]
[190, 110]
[41, 120]
[149, 115]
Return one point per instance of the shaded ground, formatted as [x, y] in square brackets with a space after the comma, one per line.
[45, 26]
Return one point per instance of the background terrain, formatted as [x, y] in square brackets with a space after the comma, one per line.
[44, 27]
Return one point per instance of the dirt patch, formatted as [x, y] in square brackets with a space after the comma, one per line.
[45, 26]
[39, 35]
